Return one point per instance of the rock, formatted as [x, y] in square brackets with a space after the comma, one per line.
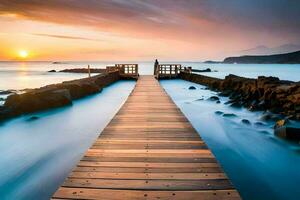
[33, 118]
[203, 70]
[192, 88]
[39, 100]
[218, 101]
[56, 95]
[229, 115]
[214, 98]
[259, 124]
[261, 94]
[236, 105]
[246, 121]
[52, 70]
[201, 99]
[257, 106]
[6, 92]
[288, 132]
[281, 123]
[225, 93]
[270, 117]
[218, 112]
[264, 132]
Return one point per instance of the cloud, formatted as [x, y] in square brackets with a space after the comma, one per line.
[209, 25]
[115, 15]
[64, 37]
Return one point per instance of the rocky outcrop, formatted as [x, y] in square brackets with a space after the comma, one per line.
[56, 95]
[84, 70]
[202, 70]
[263, 93]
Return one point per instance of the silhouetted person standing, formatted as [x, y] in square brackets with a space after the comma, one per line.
[156, 63]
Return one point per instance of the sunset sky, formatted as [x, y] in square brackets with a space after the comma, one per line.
[143, 29]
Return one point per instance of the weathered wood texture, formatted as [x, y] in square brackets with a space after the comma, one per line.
[149, 150]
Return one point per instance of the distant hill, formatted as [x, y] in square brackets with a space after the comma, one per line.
[287, 58]
[264, 50]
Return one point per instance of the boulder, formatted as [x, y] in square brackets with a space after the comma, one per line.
[229, 115]
[56, 95]
[259, 124]
[33, 118]
[37, 101]
[246, 121]
[288, 132]
[52, 70]
[236, 104]
[192, 88]
[281, 123]
[270, 117]
[214, 98]
[219, 112]
[261, 94]
[6, 92]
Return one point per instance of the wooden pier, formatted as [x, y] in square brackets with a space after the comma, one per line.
[149, 150]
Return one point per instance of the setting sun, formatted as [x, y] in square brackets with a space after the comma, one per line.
[23, 54]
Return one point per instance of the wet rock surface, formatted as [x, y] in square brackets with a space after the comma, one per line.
[55, 95]
[33, 118]
[261, 94]
[214, 98]
[218, 112]
[6, 92]
[246, 121]
[202, 70]
[288, 132]
[285, 129]
[229, 115]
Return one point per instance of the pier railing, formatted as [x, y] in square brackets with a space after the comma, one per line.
[125, 70]
[167, 70]
[111, 69]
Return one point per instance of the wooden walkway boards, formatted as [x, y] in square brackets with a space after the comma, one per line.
[149, 150]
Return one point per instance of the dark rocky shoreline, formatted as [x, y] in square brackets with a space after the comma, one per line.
[261, 94]
[55, 95]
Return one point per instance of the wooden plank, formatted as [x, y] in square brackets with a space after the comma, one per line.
[148, 176]
[207, 184]
[104, 194]
[149, 170]
[145, 164]
[149, 150]
[149, 159]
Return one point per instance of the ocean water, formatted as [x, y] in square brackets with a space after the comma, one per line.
[22, 75]
[36, 156]
[260, 165]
